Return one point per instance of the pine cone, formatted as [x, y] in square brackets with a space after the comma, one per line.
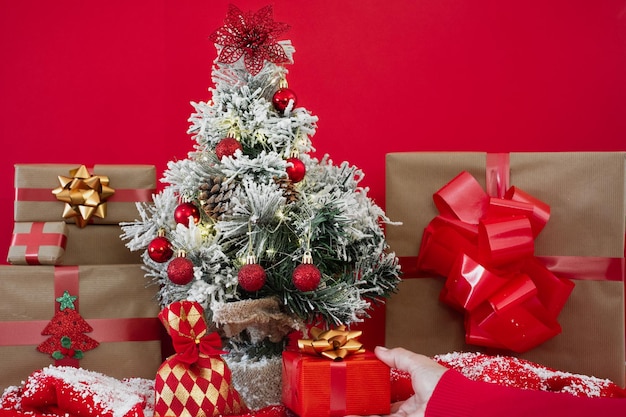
[289, 189]
[215, 196]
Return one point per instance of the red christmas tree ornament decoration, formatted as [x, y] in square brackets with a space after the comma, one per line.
[251, 276]
[227, 147]
[184, 211]
[282, 97]
[251, 35]
[180, 270]
[295, 169]
[160, 248]
[306, 276]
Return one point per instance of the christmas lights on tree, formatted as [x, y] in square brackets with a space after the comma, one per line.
[276, 238]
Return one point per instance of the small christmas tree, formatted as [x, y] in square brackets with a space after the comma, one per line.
[264, 236]
[67, 329]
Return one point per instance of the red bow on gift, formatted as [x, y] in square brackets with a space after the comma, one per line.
[485, 247]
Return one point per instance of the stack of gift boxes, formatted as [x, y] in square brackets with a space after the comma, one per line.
[73, 294]
[456, 210]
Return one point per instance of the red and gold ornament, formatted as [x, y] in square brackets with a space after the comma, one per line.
[227, 147]
[251, 276]
[160, 248]
[306, 276]
[180, 270]
[186, 210]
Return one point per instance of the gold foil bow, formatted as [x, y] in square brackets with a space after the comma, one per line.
[84, 195]
[334, 344]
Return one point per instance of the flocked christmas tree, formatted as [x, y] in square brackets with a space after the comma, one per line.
[265, 236]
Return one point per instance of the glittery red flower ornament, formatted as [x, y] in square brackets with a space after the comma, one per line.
[251, 35]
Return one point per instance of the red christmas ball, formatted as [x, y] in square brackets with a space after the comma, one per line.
[227, 147]
[160, 249]
[296, 170]
[252, 277]
[180, 270]
[306, 277]
[281, 99]
[184, 211]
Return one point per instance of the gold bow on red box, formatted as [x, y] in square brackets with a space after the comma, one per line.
[84, 195]
[334, 344]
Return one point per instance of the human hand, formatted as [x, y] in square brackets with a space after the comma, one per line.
[425, 374]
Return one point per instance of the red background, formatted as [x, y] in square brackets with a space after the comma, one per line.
[110, 82]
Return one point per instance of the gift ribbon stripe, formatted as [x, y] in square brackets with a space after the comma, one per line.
[138, 329]
[120, 196]
[338, 389]
[586, 268]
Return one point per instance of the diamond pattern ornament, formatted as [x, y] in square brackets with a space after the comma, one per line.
[195, 381]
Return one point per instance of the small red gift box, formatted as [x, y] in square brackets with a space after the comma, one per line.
[318, 387]
[38, 243]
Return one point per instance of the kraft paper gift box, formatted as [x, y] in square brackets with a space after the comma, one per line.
[115, 302]
[585, 193]
[319, 387]
[38, 243]
[93, 245]
[34, 183]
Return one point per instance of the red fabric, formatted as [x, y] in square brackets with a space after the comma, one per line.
[458, 396]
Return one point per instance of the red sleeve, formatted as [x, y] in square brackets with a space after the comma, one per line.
[458, 396]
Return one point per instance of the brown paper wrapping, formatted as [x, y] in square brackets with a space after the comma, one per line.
[45, 177]
[585, 191]
[105, 292]
[47, 254]
[98, 245]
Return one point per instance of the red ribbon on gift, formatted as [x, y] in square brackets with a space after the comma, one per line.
[484, 245]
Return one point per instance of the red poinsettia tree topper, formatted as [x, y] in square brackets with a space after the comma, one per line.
[251, 35]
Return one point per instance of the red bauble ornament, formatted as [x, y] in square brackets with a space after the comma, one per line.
[227, 147]
[184, 211]
[306, 277]
[296, 170]
[252, 277]
[180, 270]
[281, 99]
[160, 249]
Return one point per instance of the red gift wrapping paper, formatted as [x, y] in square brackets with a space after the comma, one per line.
[318, 387]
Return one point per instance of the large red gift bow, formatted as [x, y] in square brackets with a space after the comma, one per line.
[484, 244]
[127, 329]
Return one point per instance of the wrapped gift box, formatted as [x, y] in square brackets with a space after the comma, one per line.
[113, 299]
[38, 243]
[56, 243]
[318, 387]
[585, 192]
[34, 183]
[98, 244]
